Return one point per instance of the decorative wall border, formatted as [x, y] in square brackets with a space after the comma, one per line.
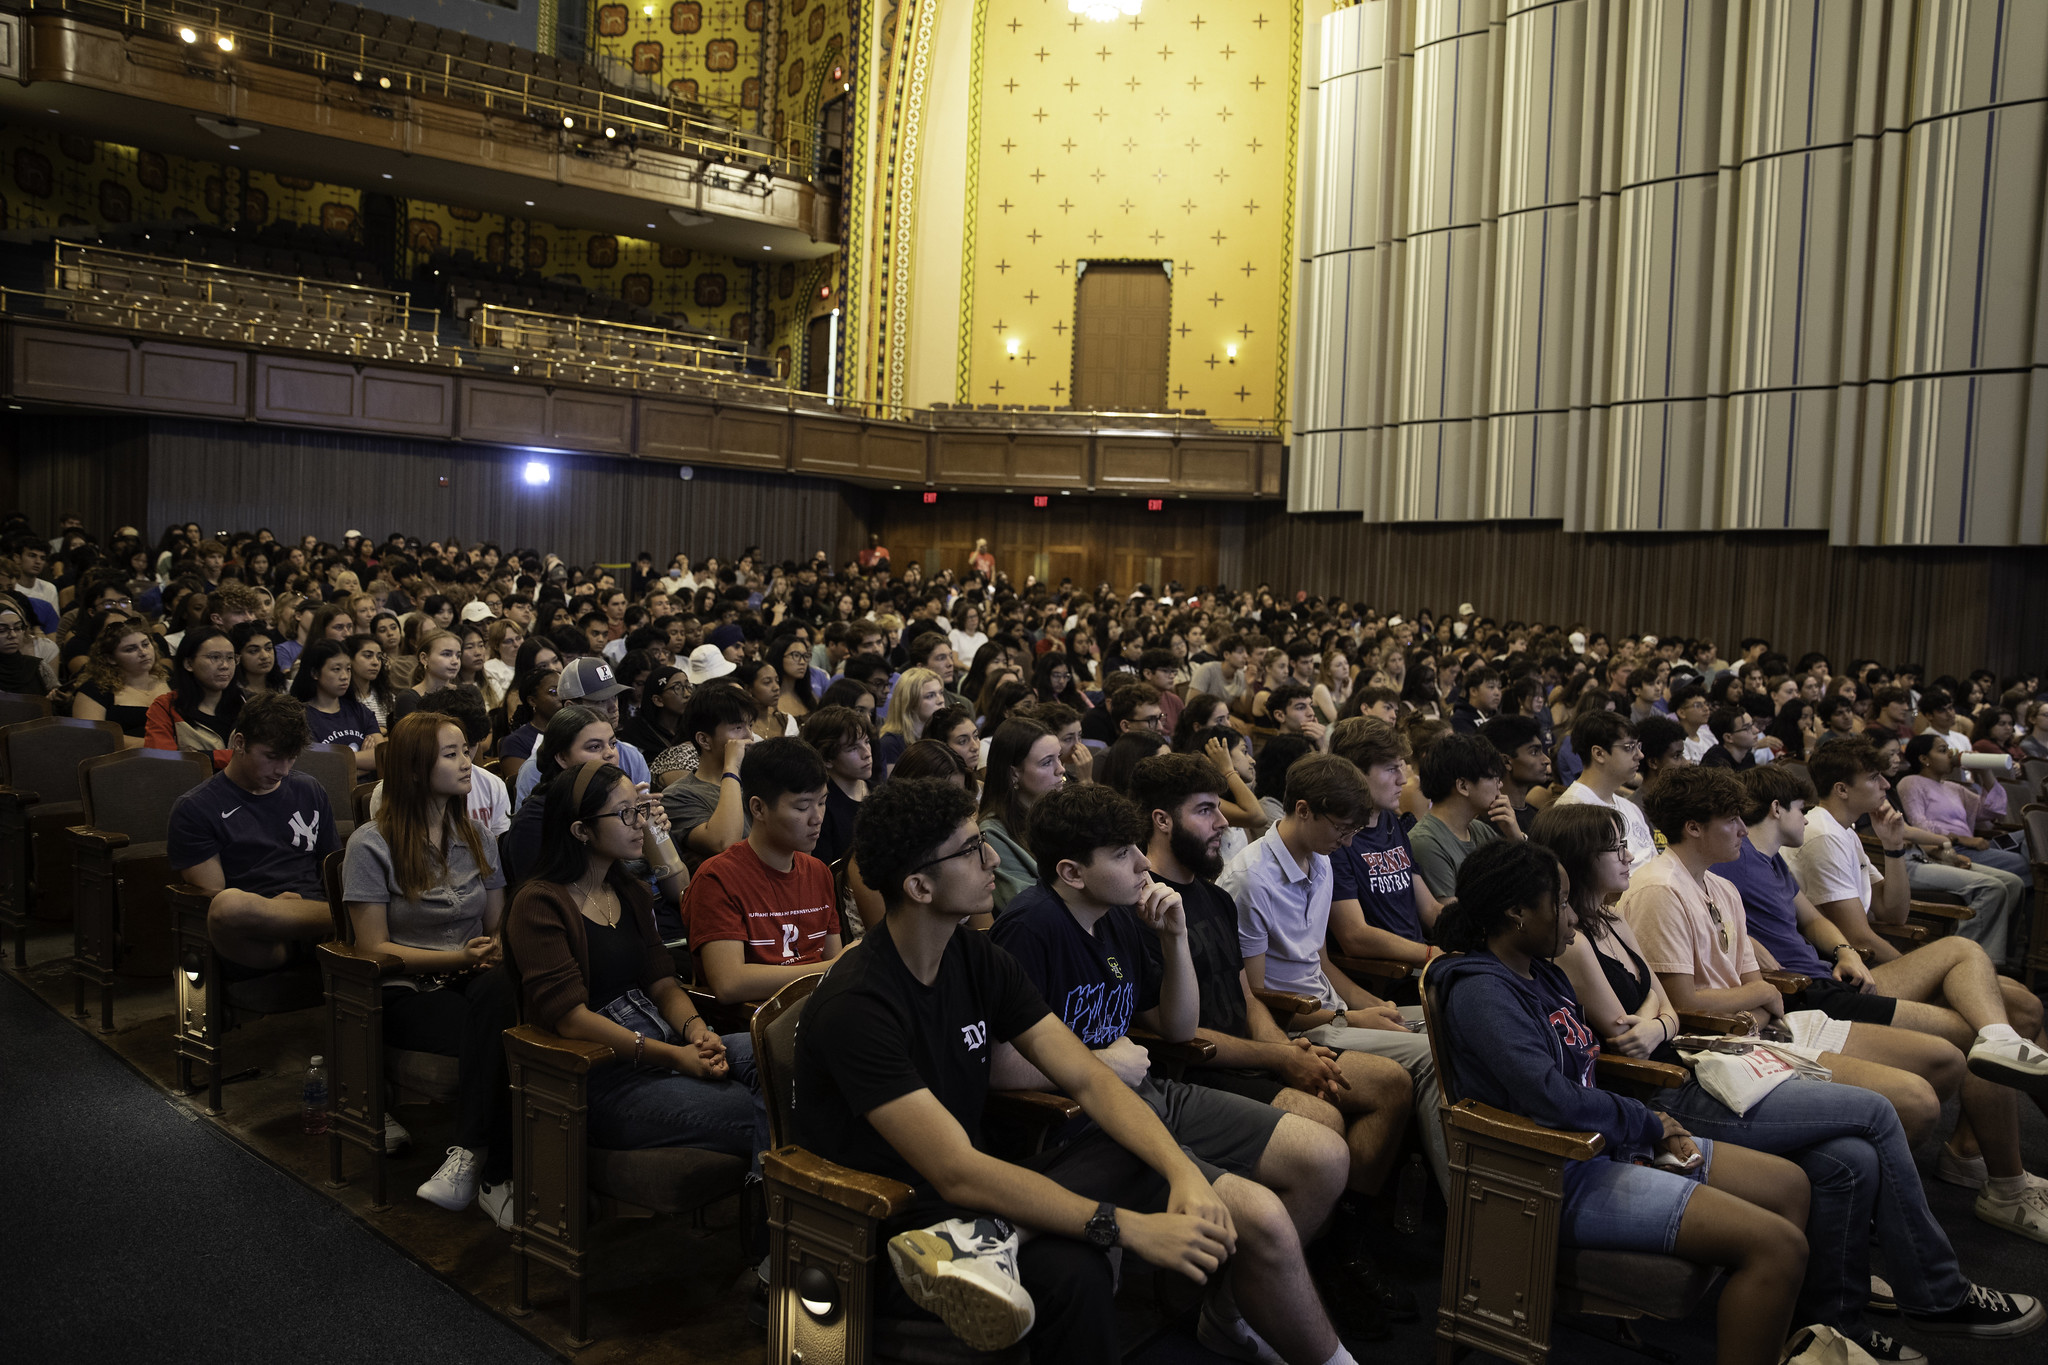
[963, 381]
[1282, 408]
[905, 210]
[853, 296]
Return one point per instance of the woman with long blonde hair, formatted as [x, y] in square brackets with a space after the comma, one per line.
[919, 695]
[422, 885]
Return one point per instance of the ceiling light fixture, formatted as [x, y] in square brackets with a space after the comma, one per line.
[1106, 11]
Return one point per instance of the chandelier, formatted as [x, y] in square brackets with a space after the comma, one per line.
[1105, 11]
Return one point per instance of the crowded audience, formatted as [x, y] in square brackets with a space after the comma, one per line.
[1067, 825]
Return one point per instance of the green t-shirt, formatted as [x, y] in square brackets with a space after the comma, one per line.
[1439, 853]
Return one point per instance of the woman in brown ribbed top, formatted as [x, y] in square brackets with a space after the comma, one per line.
[580, 937]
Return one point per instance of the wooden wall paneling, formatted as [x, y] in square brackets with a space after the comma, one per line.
[198, 380]
[407, 402]
[314, 392]
[829, 446]
[753, 440]
[676, 431]
[1217, 467]
[580, 420]
[1043, 464]
[978, 460]
[1086, 539]
[73, 367]
[1146, 464]
[516, 414]
[901, 455]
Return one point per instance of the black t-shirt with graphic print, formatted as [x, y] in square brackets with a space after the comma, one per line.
[872, 1033]
[1094, 982]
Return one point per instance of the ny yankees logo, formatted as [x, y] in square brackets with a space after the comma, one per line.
[306, 827]
[974, 1035]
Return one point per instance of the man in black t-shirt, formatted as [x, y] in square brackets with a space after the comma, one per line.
[1081, 934]
[892, 1069]
[255, 834]
[1363, 1098]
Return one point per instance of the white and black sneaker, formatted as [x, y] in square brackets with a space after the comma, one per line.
[1221, 1328]
[497, 1201]
[1985, 1313]
[1882, 1300]
[2010, 1061]
[1881, 1347]
[454, 1185]
[396, 1138]
[965, 1271]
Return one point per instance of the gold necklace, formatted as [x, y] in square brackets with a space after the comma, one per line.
[585, 898]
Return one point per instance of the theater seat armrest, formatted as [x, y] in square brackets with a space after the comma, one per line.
[1038, 1108]
[1285, 1004]
[1788, 983]
[1937, 910]
[1908, 935]
[871, 1196]
[1378, 968]
[1610, 1066]
[1194, 1052]
[345, 959]
[1485, 1121]
[17, 796]
[1702, 1021]
[539, 1048]
[105, 839]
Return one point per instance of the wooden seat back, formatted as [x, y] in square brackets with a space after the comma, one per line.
[16, 707]
[42, 756]
[132, 792]
[334, 767]
[774, 1029]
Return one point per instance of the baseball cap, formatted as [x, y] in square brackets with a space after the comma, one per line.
[588, 680]
[1464, 608]
[478, 610]
[351, 535]
[725, 637]
[705, 663]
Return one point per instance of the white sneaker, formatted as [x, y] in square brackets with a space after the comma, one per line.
[1882, 1300]
[396, 1138]
[497, 1201]
[1224, 1331]
[454, 1185]
[966, 1272]
[2011, 1061]
[2026, 1215]
[1968, 1171]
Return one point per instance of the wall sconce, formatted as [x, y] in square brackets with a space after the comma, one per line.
[818, 1292]
[224, 43]
[1230, 351]
[193, 963]
[1013, 346]
[187, 35]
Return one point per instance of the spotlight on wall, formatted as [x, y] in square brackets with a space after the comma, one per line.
[1013, 346]
[610, 131]
[568, 121]
[224, 42]
[536, 473]
[1230, 351]
[187, 35]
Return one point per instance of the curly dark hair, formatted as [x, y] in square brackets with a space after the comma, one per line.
[1679, 796]
[900, 825]
[1073, 822]
[277, 721]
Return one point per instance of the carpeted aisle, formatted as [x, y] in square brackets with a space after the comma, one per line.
[137, 1233]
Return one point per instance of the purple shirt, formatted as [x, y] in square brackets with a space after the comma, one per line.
[1768, 887]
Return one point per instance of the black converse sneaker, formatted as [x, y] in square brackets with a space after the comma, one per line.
[1881, 1347]
[1985, 1313]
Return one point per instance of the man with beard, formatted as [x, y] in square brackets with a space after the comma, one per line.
[1364, 1098]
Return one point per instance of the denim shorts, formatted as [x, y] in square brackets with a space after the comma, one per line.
[1620, 1206]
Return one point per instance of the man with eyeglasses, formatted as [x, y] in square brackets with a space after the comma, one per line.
[1136, 707]
[1614, 759]
[763, 913]
[1735, 738]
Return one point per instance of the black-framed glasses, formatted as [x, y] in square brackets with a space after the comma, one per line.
[976, 846]
[632, 817]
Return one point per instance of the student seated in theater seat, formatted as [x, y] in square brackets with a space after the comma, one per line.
[439, 659]
[581, 938]
[591, 682]
[762, 913]
[124, 675]
[1613, 757]
[705, 808]
[1735, 733]
[255, 835]
[1468, 808]
[325, 683]
[422, 883]
[1363, 1098]
[1081, 937]
[844, 739]
[199, 711]
[490, 802]
[1023, 769]
[1526, 782]
[1290, 709]
[1380, 907]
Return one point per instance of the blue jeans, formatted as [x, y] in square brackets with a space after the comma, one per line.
[651, 1107]
[1849, 1143]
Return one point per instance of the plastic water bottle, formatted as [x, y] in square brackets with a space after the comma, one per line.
[313, 1098]
[1408, 1197]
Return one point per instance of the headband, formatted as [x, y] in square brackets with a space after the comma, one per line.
[584, 774]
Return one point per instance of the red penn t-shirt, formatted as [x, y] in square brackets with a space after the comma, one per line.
[782, 917]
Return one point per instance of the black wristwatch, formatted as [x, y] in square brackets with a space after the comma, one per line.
[1102, 1231]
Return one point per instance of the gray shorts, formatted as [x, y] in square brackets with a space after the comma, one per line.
[1214, 1126]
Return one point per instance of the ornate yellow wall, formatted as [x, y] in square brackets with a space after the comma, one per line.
[1170, 136]
[708, 50]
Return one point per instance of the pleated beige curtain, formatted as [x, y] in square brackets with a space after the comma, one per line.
[1677, 265]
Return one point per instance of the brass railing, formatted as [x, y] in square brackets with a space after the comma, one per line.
[595, 119]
